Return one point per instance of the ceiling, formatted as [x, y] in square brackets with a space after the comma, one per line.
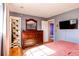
[42, 9]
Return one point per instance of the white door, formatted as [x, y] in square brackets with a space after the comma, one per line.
[45, 31]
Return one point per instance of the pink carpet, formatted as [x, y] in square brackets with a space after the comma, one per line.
[64, 48]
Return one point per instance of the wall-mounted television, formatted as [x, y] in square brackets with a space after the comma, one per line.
[69, 24]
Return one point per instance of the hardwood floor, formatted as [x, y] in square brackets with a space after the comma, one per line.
[16, 51]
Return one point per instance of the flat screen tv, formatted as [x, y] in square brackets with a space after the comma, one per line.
[69, 24]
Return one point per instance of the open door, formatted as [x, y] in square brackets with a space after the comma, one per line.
[51, 30]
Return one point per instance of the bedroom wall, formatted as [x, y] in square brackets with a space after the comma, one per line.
[24, 17]
[67, 35]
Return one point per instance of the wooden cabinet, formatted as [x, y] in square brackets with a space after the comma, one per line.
[31, 38]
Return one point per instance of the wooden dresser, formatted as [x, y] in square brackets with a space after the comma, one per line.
[31, 38]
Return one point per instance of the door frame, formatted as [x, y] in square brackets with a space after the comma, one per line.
[53, 22]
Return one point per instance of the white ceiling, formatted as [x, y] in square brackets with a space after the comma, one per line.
[42, 10]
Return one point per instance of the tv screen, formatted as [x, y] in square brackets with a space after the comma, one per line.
[69, 24]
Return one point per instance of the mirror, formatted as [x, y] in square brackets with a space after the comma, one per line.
[31, 24]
